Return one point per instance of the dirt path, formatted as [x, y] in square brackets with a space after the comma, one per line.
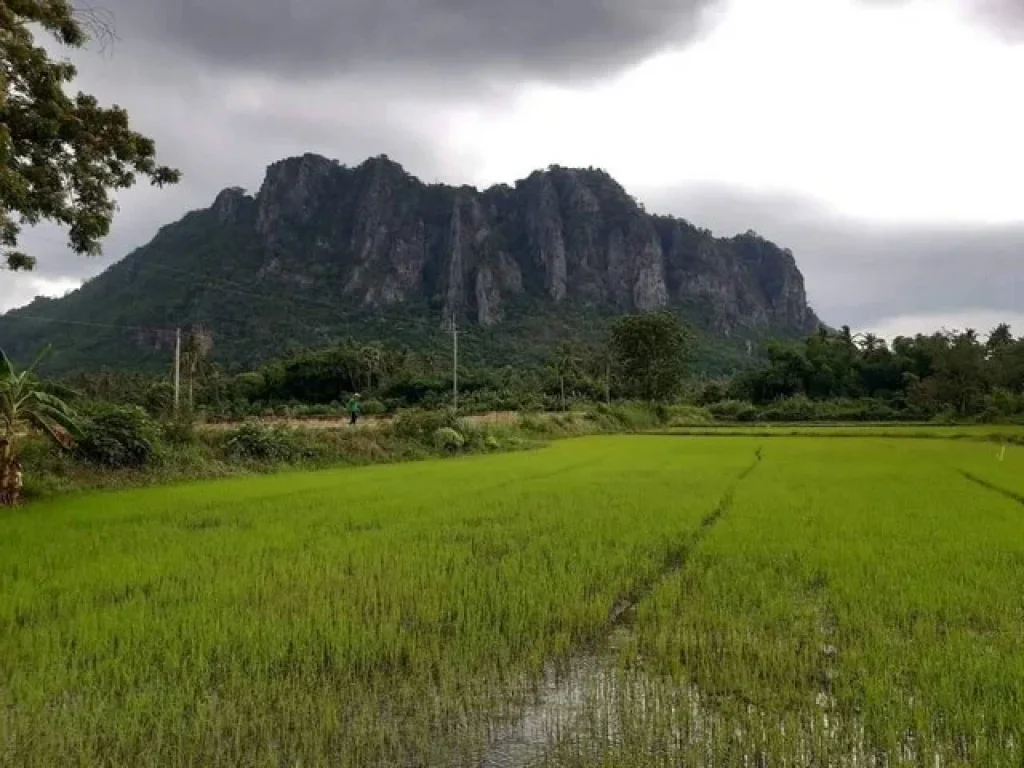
[366, 422]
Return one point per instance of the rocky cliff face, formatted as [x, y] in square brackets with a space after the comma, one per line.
[379, 237]
[323, 251]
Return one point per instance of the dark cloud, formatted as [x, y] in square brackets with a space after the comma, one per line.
[223, 131]
[469, 38]
[861, 274]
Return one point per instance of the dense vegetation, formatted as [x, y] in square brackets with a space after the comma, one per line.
[640, 601]
[646, 357]
[831, 376]
[958, 374]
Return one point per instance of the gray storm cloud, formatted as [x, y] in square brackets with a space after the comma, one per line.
[538, 38]
[561, 39]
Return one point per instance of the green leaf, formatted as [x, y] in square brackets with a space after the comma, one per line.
[40, 356]
[49, 429]
[6, 367]
[63, 417]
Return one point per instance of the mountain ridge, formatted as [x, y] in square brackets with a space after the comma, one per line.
[375, 244]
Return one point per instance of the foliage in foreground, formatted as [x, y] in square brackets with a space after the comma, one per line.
[61, 156]
[26, 405]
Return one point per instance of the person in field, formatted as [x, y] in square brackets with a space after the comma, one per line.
[353, 409]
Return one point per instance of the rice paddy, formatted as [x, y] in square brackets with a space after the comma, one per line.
[614, 601]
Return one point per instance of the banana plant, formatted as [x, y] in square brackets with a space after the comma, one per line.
[26, 405]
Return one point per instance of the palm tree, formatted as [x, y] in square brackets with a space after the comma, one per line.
[373, 356]
[566, 364]
[869, 342]
[600, 364]
[193, 356]
[25, 405]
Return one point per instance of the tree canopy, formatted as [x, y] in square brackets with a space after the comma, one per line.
[652, 352]
[954, 370]
[60, 156]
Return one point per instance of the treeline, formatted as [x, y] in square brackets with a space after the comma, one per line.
[830, 376]
[645, 357]
[320, 382]
[954, 374]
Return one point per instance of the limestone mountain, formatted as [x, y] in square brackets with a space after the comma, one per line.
[324, 250]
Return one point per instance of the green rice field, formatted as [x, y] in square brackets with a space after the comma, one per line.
[610, 601]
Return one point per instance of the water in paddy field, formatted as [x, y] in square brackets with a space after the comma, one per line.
[550, 717]
[594, 709]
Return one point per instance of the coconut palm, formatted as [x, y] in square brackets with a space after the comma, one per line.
[373, 357]
[194, 353]
[26, 405]
[566, 363]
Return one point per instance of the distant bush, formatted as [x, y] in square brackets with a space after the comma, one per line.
[797, 408]
[531, 422]
[421, 425]
[711, 392]
[635, 417]
[491, 443]
[254, 441]
[373, 407]
[800, 408]
[733, 410]
[688, 416]
[180, 431]
[448, 439]
[118, 437]
[866, 409]
[1003, 405]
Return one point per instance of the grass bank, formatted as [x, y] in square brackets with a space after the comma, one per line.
[1008, 434]
[124, 448]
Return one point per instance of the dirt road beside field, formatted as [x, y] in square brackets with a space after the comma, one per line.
[366, 422]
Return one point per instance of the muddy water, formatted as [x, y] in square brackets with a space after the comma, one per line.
[551, 716]
[588, 687]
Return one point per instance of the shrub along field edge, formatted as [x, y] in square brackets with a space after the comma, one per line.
[124, 447]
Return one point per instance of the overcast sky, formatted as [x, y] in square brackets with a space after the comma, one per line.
[880, 140]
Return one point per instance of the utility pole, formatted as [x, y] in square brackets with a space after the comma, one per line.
[177, 369]
[455, 364]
